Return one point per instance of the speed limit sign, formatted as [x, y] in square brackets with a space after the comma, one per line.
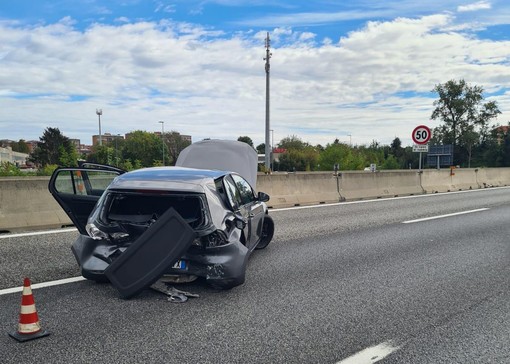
[421, 134]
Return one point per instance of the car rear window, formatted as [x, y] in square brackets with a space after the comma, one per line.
[141, 208]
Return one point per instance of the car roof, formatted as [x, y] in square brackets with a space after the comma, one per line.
[173, 178]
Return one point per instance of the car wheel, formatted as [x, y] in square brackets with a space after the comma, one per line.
[267, 232]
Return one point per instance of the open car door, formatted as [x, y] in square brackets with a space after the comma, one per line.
[77, 189]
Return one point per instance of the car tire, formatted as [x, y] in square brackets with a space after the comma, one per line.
[267, 232]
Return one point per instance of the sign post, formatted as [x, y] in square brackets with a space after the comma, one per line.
[421, 135]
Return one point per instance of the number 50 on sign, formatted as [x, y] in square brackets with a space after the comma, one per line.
[421, 134]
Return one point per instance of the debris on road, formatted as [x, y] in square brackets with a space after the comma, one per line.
[174, 295]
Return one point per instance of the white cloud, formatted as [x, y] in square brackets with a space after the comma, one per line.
[374, 83]
[165, 8]
[480, 5]
[314, 18]
[122, 19]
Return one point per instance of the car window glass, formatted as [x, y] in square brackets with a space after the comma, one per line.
[100, 180]
[244, 188]
[64, 182]
[74, 182]
[232, 193]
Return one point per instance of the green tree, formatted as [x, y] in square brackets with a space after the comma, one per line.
[261, 148]
[396, 148]
[390, 163]
[299, 156]
[292, 142]
[462, 110]
[336, 153]
[298, 160]
[127, 165]
[21, 146]
[54, 148]
[175, 144]
[102, 154]
[145, 147]
[495, 150]
[409, 159]
[246, 139]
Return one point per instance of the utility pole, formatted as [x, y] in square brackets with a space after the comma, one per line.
[268, 150]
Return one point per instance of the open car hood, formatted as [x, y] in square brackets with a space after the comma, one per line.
[224, 155]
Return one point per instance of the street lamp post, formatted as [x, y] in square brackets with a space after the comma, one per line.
[99, 112]
[162, 139]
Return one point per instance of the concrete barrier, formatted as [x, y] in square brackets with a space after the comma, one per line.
[493, 177]
[295, 189]
[444, 180]
[359, 185]
[25, 203]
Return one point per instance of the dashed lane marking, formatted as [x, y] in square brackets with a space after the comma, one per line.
[33, 233]
[372, 354]
[443, 216]
[42, 285]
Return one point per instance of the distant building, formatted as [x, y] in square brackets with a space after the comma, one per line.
[85, 149]
[186, 138]
[4, 143]
[17, 158]
[106, 138]
[76, 143]
[31, 145]
[501, 133]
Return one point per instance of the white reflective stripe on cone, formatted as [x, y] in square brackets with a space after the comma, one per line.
[29, 328]
[27, 309]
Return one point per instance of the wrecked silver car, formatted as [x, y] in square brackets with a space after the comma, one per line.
[184, 221]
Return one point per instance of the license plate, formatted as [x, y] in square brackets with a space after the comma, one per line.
[180, 264]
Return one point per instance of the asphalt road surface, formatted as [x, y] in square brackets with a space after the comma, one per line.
[423, 279]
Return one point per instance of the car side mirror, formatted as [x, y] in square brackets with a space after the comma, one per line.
[263, 197]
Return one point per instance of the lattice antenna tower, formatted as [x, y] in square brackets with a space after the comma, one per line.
[268, 150]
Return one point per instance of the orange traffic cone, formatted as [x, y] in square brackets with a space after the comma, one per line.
[28, 328]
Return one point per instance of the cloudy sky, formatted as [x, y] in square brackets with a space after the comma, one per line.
[356, 70]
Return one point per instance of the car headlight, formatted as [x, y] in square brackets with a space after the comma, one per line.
[95, 233]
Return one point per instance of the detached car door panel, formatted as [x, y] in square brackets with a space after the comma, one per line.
[158, 248]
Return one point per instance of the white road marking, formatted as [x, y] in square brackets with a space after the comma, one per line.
[372, 354]
[19, 235]
[42, 285]
[386, 199]
[443, 216]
